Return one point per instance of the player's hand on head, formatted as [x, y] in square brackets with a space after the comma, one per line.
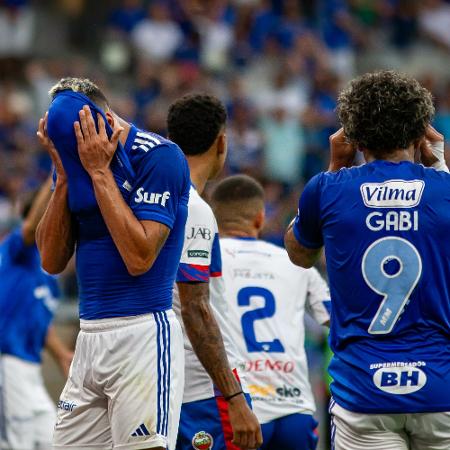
[246, 429]
[47, 143]
[95, 149]
[431, 147]
[342, 152]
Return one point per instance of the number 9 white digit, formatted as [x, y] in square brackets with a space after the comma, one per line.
[395, 288]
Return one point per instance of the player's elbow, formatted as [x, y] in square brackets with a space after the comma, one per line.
[139, 265]
[297, 253]
[49, 262]
[298, 260]
[52, 266]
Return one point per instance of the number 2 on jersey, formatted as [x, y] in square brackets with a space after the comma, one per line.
[394, 287]
[248, 319]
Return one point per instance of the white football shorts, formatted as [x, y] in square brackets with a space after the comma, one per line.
[27, 413]
[418, 431]
[125, 385]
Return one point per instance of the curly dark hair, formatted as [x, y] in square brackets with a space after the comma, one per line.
[384, 111]
[194, 122]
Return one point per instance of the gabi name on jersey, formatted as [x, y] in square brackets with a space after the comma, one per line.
[393, 194]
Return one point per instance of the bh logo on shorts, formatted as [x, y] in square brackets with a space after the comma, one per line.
[202, 441]
[400, 380]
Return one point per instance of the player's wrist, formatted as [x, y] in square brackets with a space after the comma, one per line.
[99, 174]
[61, 182]
[235, 397]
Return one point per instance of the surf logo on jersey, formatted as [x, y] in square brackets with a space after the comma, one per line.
[202, 441]
[152, 198]
[392, 193]
[66, 405]
[400, 379]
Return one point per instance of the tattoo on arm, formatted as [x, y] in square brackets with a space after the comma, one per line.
[205, 336]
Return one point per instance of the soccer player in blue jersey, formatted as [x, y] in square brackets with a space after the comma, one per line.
[384, 226]
[120, 199]
[28, 297]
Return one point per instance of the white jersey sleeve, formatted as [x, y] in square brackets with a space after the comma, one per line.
[200, 239]
[201, 262]
[318, 302]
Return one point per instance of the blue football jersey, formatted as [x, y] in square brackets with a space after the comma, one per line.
[385, 229]
[159, 191]
[28, 297]
[63, 112]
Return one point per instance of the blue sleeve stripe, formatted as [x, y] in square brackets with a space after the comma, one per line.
[216, 256]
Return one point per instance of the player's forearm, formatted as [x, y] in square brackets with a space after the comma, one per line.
[205, 336]
[36, 212]
[60, 353]
[54, 234]
[299, 255]
[138, 251]
[54, 345]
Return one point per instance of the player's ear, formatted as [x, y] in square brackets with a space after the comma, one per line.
[259, 219]
[110, 119]
[221, 143]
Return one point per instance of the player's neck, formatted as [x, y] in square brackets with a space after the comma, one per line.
[405, 154]
[238, 233]
[200, 169]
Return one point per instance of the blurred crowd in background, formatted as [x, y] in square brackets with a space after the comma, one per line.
[277, 65]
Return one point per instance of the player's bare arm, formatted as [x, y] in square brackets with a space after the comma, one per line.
[138, 242]
[431, 150]
[206, 339]
[36, 212]
[54, 234]
[298, 254]
[60, 353]
[342, 152]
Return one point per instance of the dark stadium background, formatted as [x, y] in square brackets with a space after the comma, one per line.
[277, 65]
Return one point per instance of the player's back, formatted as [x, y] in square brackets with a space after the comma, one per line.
[267, 296]
[384, 226]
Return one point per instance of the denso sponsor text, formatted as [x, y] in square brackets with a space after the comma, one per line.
[392, 193]
[261, 365]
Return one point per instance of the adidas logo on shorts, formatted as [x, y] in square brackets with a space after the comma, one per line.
[141, 431]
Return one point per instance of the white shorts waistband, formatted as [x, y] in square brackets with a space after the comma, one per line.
[112, 323]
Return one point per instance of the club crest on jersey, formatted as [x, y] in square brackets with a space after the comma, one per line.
[202, 441]
[392, 193]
